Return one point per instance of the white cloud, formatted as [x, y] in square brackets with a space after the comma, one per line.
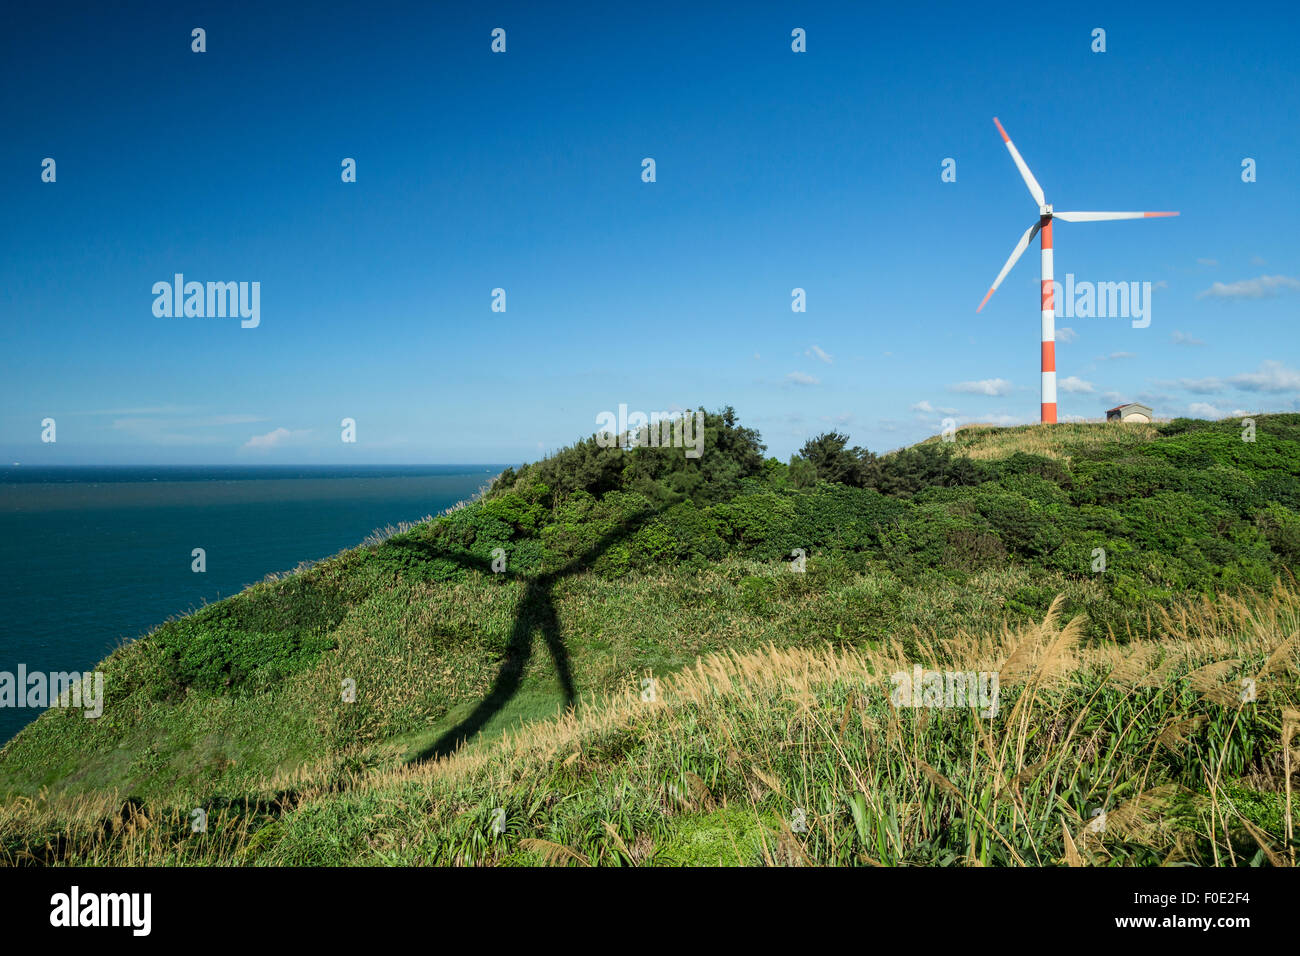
[201, 422]
[166, 430]
[1271, 376]
[274, 439]
[153, 410]
[1075, 385]
[1182, 338]
[843, 418]
[230, 420]
[1208, 262]
[160, 432]
[802, 378]
[1202, 410]
[987, 386]
[1066, 334]
[1001, 420]
[1119, 355]
[816, 352]
[926, 407]
[1260, 288]
[1202, 386]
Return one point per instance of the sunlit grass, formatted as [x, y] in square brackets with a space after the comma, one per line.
[795, 756]
[1061, 441]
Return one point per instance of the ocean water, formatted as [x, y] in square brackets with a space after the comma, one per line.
[94, 557]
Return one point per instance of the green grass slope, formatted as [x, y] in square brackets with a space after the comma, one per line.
[619, 564]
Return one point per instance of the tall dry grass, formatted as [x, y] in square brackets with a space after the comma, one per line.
[1136, 754]
[1061, 441]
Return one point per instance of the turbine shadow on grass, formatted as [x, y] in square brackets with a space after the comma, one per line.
[536, 612]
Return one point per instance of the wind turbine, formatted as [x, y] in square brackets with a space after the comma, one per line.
[1044, 229]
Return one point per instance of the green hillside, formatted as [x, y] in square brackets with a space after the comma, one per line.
[656, 676]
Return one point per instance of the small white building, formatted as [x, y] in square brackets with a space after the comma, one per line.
[1129, 412]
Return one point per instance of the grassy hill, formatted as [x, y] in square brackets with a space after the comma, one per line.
[650, 678]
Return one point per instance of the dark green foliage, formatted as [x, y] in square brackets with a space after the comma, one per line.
[941, 537]
[1020, 464]
[1113, 482]
[209, 652]
[682, 533]
[1196, 510]
[755, 593]
[249, 641]
[841, 518]
[759, 524]
[662, 475]
[1281, 528]
[583, 523]
[314, 601]
[833, 460]
[803, 473]
[1025, 527]
[923, 466]
[905, 472]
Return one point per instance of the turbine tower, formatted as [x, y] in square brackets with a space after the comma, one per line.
[1044, 229]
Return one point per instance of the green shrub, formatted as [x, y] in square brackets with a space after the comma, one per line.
[212, 655]
[759, 525]
[1023, 525]
[1281, 528]
[755, 593]
[933, 537]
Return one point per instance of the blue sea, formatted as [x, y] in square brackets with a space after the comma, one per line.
[93, 557]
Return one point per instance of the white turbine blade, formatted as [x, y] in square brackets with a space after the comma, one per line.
[1016, 253]
[1101, 216]
[1035, 190]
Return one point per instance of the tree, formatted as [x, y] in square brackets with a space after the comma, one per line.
[832, 459]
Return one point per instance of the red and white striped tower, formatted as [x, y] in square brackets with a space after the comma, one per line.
[1049, 321]
[1047, 296]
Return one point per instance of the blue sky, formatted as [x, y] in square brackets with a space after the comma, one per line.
[522, 171]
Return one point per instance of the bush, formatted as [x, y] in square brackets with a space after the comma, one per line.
[681, 533]
[933, 537]
[908, 471]
[755, 593]
[214, 655]
[1280, 527]
[1023, 525]
[849, 519]
[760, 525]
[1118, 481]
[663, 476]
